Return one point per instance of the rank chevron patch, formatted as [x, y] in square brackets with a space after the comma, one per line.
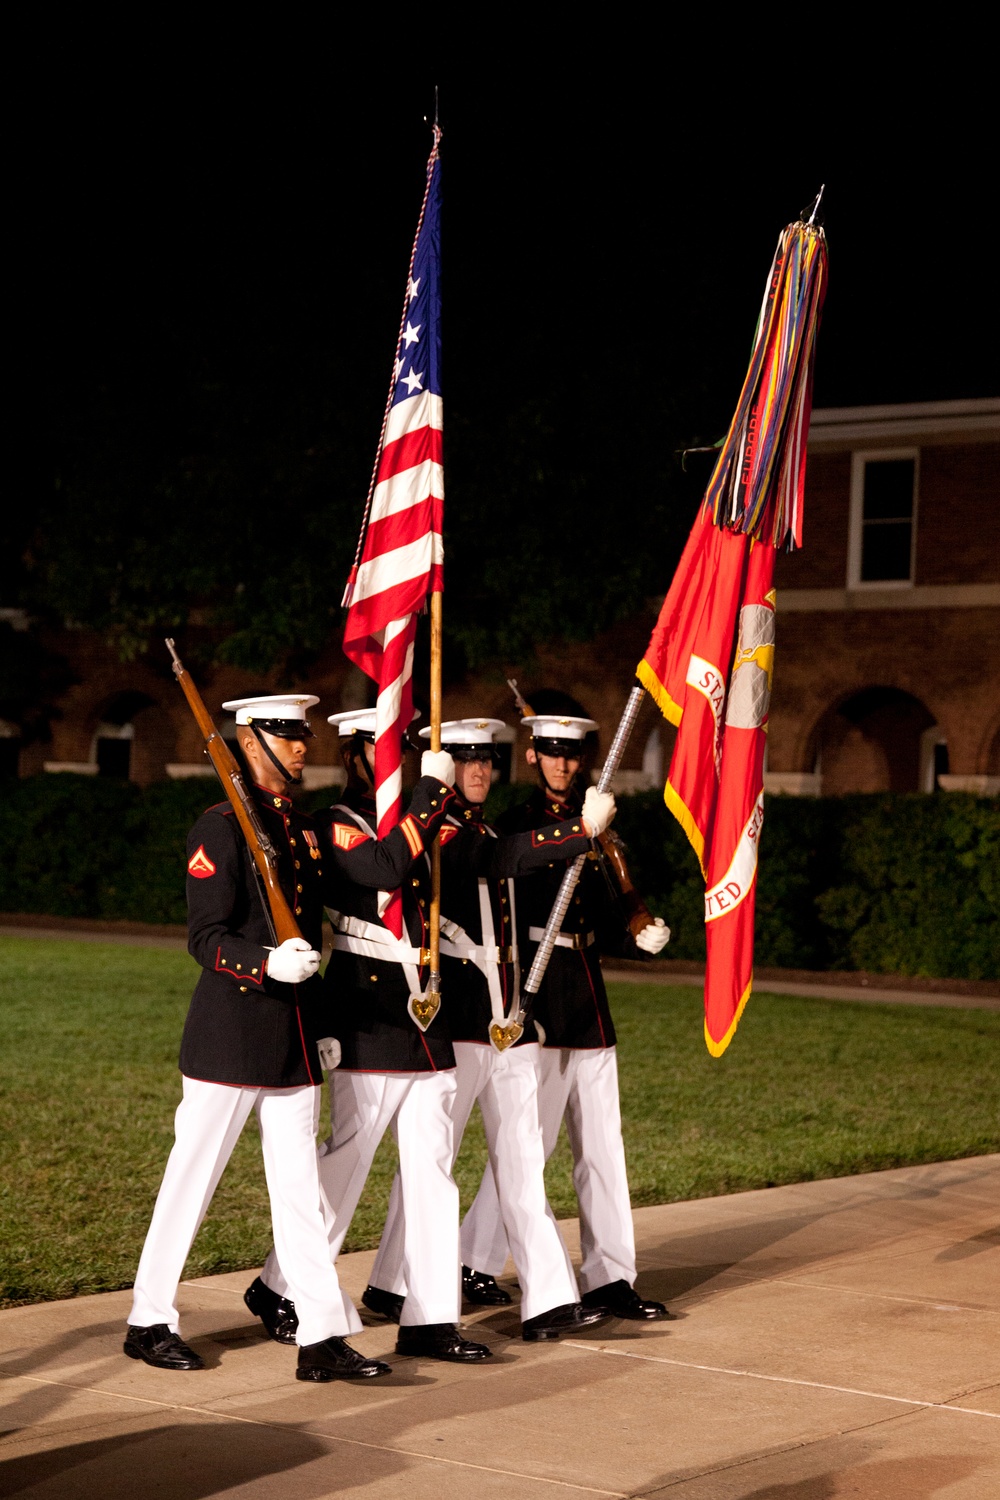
[346, 837]
[199, 865]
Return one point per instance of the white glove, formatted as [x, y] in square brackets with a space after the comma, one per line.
[329, 1053]
[292, 962]
[654, 937]
[438, 763]
[598, 811]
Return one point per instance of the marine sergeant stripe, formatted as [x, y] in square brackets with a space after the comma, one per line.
[411, 833]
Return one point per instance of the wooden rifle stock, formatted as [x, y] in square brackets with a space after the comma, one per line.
[261, 849]
[635, 911]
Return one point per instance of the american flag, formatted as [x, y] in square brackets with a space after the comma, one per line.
[400, 553]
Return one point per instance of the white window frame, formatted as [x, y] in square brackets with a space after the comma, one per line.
[858, 461]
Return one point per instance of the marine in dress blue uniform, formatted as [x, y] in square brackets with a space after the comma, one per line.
[391, 1074]
[577, 1062]
[480, 993]
[250, 1044]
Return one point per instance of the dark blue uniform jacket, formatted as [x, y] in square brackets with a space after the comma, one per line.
[572, 1003]
[243, 1027]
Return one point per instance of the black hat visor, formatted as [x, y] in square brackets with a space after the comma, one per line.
[482, 751]
[284, 729]
[568, 749]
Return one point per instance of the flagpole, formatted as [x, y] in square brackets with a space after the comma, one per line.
[437, 606]
[434, 982]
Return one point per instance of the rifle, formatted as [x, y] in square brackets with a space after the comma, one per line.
[280, 919]
[612, 856]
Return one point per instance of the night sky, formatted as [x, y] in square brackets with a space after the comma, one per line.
[590, 240]
[605, 252]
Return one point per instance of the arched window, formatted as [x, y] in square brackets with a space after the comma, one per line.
[10, 749]
[111, 746]
[880, 740]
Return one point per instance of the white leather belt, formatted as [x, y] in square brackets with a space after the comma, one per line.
[370, 940]
[565, 939]
[390, 953]
[491, 954]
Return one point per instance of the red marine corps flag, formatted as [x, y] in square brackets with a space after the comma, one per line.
[400, 552]
[710, 660]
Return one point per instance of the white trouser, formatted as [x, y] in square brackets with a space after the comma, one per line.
[506, 1086]
[207, 1126]
[582, 1086]
[418, 1108]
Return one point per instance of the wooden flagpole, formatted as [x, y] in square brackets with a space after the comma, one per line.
[434, 981]
[434, 984]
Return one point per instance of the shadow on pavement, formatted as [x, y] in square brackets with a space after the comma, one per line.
[986, 1239]
[185, 1461]
[885, 1479]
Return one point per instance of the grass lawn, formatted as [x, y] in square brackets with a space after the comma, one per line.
[89, 1083]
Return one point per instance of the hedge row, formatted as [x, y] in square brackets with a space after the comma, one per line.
[897, 884]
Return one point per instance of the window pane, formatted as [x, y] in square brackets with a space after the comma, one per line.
[10, 749]
[940, 762]
[889, 490]
[885, 551]
[113, 757]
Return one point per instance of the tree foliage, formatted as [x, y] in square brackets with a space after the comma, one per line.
[231, 496]
[893, 883]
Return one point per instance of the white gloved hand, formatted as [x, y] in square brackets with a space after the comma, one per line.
[329, 1053]
[438, 763]
[654, 938]
[292, 962]
[598, 811]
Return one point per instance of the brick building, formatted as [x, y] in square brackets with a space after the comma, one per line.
[886, 676]
[886, 672]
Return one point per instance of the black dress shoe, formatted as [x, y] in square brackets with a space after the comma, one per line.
[619, 1300]
[558, 1320]
[386, 1304]
[160, 1348]
[440, 1341]
[481, 1289]
[334, 1359]
[277, 1314]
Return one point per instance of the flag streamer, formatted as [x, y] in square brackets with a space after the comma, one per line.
[756, 486]
[710, 660]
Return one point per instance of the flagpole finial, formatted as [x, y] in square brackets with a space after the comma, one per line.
[435, 124]
[813, 208]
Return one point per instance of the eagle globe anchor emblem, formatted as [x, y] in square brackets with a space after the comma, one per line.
[750, 687]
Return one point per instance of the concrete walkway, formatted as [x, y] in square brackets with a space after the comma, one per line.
[835, 1339]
